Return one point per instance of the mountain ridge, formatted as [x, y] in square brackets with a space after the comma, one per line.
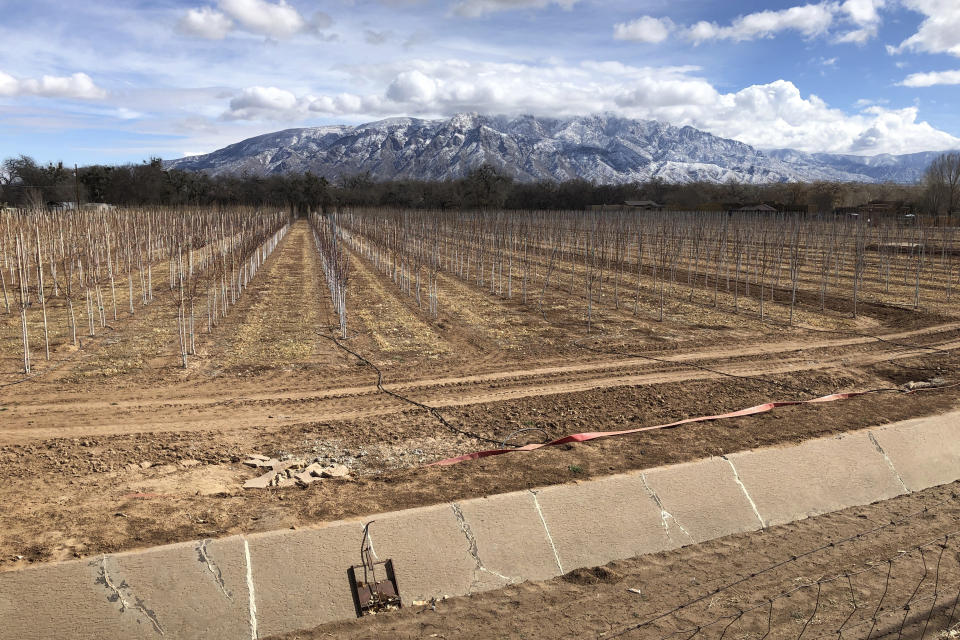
[598, 148]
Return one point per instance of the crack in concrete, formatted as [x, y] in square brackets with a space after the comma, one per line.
[665, 516]
[251, 594]
[213, 567]
[876, 444]
[117, 595]
[556, 555]
[743, 488]
[473, 549]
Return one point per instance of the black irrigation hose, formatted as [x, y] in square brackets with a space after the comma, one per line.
[436, 414]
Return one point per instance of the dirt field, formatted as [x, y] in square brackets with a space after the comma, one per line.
[714, 580]
[114, 446]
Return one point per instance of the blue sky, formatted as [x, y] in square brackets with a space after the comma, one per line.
[119, 81]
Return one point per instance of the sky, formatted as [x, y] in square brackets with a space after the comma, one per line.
[117, 81]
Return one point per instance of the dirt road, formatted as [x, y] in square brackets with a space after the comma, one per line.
[245, 405]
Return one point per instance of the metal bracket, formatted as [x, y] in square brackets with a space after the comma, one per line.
[373, 594]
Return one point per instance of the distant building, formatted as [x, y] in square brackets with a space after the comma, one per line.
[99, 207]
[62, 206]
[885, 207]
[643, 205]
[878, 210]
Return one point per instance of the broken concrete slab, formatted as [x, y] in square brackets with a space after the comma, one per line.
[260, 464]
[510, 537]
[174, 591]
[592, 523]
[261, 482]
[827, 474]
[315, 468]
[924, 452]
[305, 478]
[336, 471]
[692, 514]
[432, 553]
[282, 465]
[300, 577]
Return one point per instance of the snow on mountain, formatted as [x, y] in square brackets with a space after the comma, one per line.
[599, 148]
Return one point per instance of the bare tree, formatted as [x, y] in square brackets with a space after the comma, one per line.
[942, 182]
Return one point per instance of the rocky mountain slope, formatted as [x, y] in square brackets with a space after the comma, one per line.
[600, 148]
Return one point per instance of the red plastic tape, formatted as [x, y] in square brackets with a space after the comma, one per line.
[584, 437]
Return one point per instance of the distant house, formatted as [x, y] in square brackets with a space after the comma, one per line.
[643, 205]
[758, 208]
[878, 210]
[62, 206]
[99, 207]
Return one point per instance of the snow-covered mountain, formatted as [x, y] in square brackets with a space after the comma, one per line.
[600, 148]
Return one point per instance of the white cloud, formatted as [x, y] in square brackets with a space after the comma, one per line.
[863, 12]
[205, 23]
[262, 102]
[413, 87]
[278, 20]
[865, 15]
[939, 32]
[858, 36]
[932, 78]
[768, 116]
[78, 85]
[271, 19]
[479, 8]
[861, 18]
[644, 29]
[9, 85]
[810, 20]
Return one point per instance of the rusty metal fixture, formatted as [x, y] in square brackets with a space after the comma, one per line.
[371, 594]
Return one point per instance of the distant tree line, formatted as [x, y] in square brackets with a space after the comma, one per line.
[24, 182]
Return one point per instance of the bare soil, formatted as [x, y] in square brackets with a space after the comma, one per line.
[113, 446]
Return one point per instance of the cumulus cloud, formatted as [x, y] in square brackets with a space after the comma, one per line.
[645, 29]
[205, 23]
[78, 85]
[863, 12]
[853, 21]
[940, 30]
[932, 78]
[258, 102]
[768, 115]
[277, 20]
[810, 20]
[272, 19]
[414, 87]
[479, 8]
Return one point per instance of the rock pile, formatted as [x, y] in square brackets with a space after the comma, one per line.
[288, 473]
